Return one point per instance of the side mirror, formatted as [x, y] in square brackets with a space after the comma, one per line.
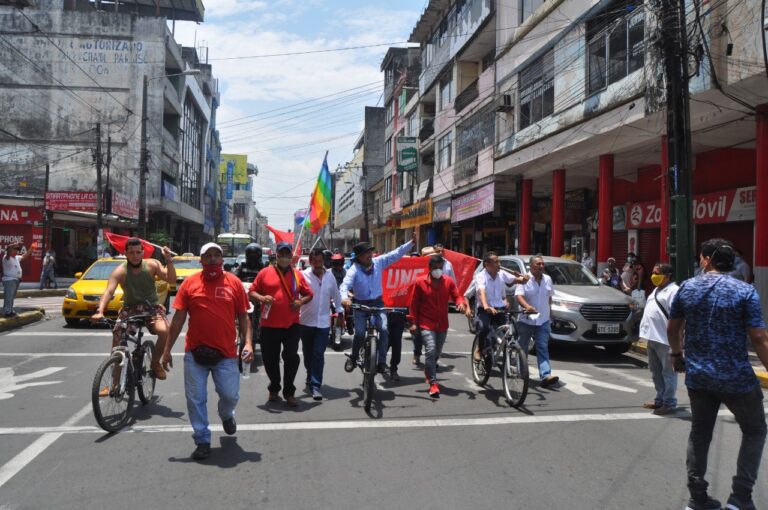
[78, 275]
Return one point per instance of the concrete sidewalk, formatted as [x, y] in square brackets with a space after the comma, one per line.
[640, 347]
[24, 315]
[32, 289]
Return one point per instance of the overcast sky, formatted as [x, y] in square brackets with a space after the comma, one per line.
[273, 108]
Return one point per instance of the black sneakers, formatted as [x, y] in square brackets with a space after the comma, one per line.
[703, 502]
[202, 452]
[349, 365]
[381, 368]
[393, 374]
[230, 426]
[734, 503]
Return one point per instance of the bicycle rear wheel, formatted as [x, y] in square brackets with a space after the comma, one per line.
[514, 375]
[369, 371]
[481, 370]
[114, 408]
[146, 376]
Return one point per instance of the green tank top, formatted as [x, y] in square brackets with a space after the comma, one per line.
[139, 287]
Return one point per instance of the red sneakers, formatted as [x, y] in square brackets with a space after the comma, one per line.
[434, 390]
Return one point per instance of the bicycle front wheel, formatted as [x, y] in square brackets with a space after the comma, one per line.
[111, 404]
[514, 375]
[369, 371]
[146, 376]
[481, 370]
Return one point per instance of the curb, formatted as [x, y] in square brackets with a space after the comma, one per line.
[38, 293]
[642, 348]
[22, 319]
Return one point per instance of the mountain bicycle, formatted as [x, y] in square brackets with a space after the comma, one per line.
[119, 377]
[366, 358]
[505, 353]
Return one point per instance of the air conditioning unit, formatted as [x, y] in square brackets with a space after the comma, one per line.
[505, 103]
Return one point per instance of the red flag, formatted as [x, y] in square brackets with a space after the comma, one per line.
[463, 267]
[280, 236]
[119, 241]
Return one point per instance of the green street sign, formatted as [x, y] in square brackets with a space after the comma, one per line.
[407, 153]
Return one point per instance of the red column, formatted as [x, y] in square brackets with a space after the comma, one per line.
[526, 205]
[558, 212]
[761, 182]
[664, 202]
[605, 209]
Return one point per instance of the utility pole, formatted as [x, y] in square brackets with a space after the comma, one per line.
[99, 200]
[675, 40]
[45, 211]
[143, 164]
[108, 192]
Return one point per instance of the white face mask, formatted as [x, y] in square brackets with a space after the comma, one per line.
[436, 273]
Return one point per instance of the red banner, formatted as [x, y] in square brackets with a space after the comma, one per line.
[19, 215]
[71, 201]
[398, 279]
[125, 206]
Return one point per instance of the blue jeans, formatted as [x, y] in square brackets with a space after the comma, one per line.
[663, 375]
[313, 344]
[9, 289]
[45, 276]
[540, 335]
[226, 379]
[380, 322]
[433, 345]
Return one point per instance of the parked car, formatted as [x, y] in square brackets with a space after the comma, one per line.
[584, 311]
[82, 298]
[186, 265]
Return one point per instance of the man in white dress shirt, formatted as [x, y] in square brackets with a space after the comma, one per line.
[491, 287]
[535, 297]
[315, 319]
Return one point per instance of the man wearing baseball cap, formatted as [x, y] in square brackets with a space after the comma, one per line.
[212, 298]
[363, 279]
[282, 291]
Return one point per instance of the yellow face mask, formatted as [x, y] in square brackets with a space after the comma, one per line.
[657, 279]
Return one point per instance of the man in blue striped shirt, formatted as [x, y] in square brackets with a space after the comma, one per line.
[363, 281]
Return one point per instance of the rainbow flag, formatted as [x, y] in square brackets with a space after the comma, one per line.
[320, 205]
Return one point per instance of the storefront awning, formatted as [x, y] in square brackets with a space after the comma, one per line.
[89, 218]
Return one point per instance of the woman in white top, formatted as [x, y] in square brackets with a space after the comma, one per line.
[12, 275]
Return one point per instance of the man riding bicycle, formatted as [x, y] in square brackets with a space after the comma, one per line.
[363, 279]
[490, 284]
[137, 279]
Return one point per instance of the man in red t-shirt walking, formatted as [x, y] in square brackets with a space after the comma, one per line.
[282, 291]
[429, 315]
[213, 299]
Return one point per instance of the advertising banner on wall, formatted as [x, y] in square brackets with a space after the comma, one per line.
[407, 153]
[416, 214]
[125, 206]
[718, 207]
[474, 203]
[71, 201]
[20, 215]
[239, 168]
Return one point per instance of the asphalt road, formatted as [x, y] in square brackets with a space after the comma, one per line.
[585, 445]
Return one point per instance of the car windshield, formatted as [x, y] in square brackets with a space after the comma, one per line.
[188, 264]
[569, 274]
[101, 270]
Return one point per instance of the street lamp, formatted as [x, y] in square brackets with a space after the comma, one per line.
[144, 160]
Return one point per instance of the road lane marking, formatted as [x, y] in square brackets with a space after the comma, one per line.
[20, 461]
[10, 383]
[575, 381]
[69, 428]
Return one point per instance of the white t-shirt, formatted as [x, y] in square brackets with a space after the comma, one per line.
[11, 268]
[537, 295]
[653, 325]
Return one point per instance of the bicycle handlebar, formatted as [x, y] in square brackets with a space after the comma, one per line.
[377, 309]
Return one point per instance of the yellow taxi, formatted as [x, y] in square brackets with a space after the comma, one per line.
[186, 265]
[82, 298]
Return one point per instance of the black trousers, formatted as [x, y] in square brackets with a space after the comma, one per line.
[273, 341]
[486, 321]
[396, 323]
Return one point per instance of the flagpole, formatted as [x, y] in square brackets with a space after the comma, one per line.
[309, 211]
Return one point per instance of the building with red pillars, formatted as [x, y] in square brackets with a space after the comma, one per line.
[585, 130]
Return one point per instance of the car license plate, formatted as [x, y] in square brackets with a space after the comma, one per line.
[608, 329]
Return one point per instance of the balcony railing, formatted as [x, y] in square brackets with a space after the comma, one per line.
[465, 168]
[466, 97]
[427, 128]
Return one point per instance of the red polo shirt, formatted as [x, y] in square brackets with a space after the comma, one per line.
[429, 302]
[269, 283]
[212, 307]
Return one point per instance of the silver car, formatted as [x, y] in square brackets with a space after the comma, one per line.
[583, 310]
